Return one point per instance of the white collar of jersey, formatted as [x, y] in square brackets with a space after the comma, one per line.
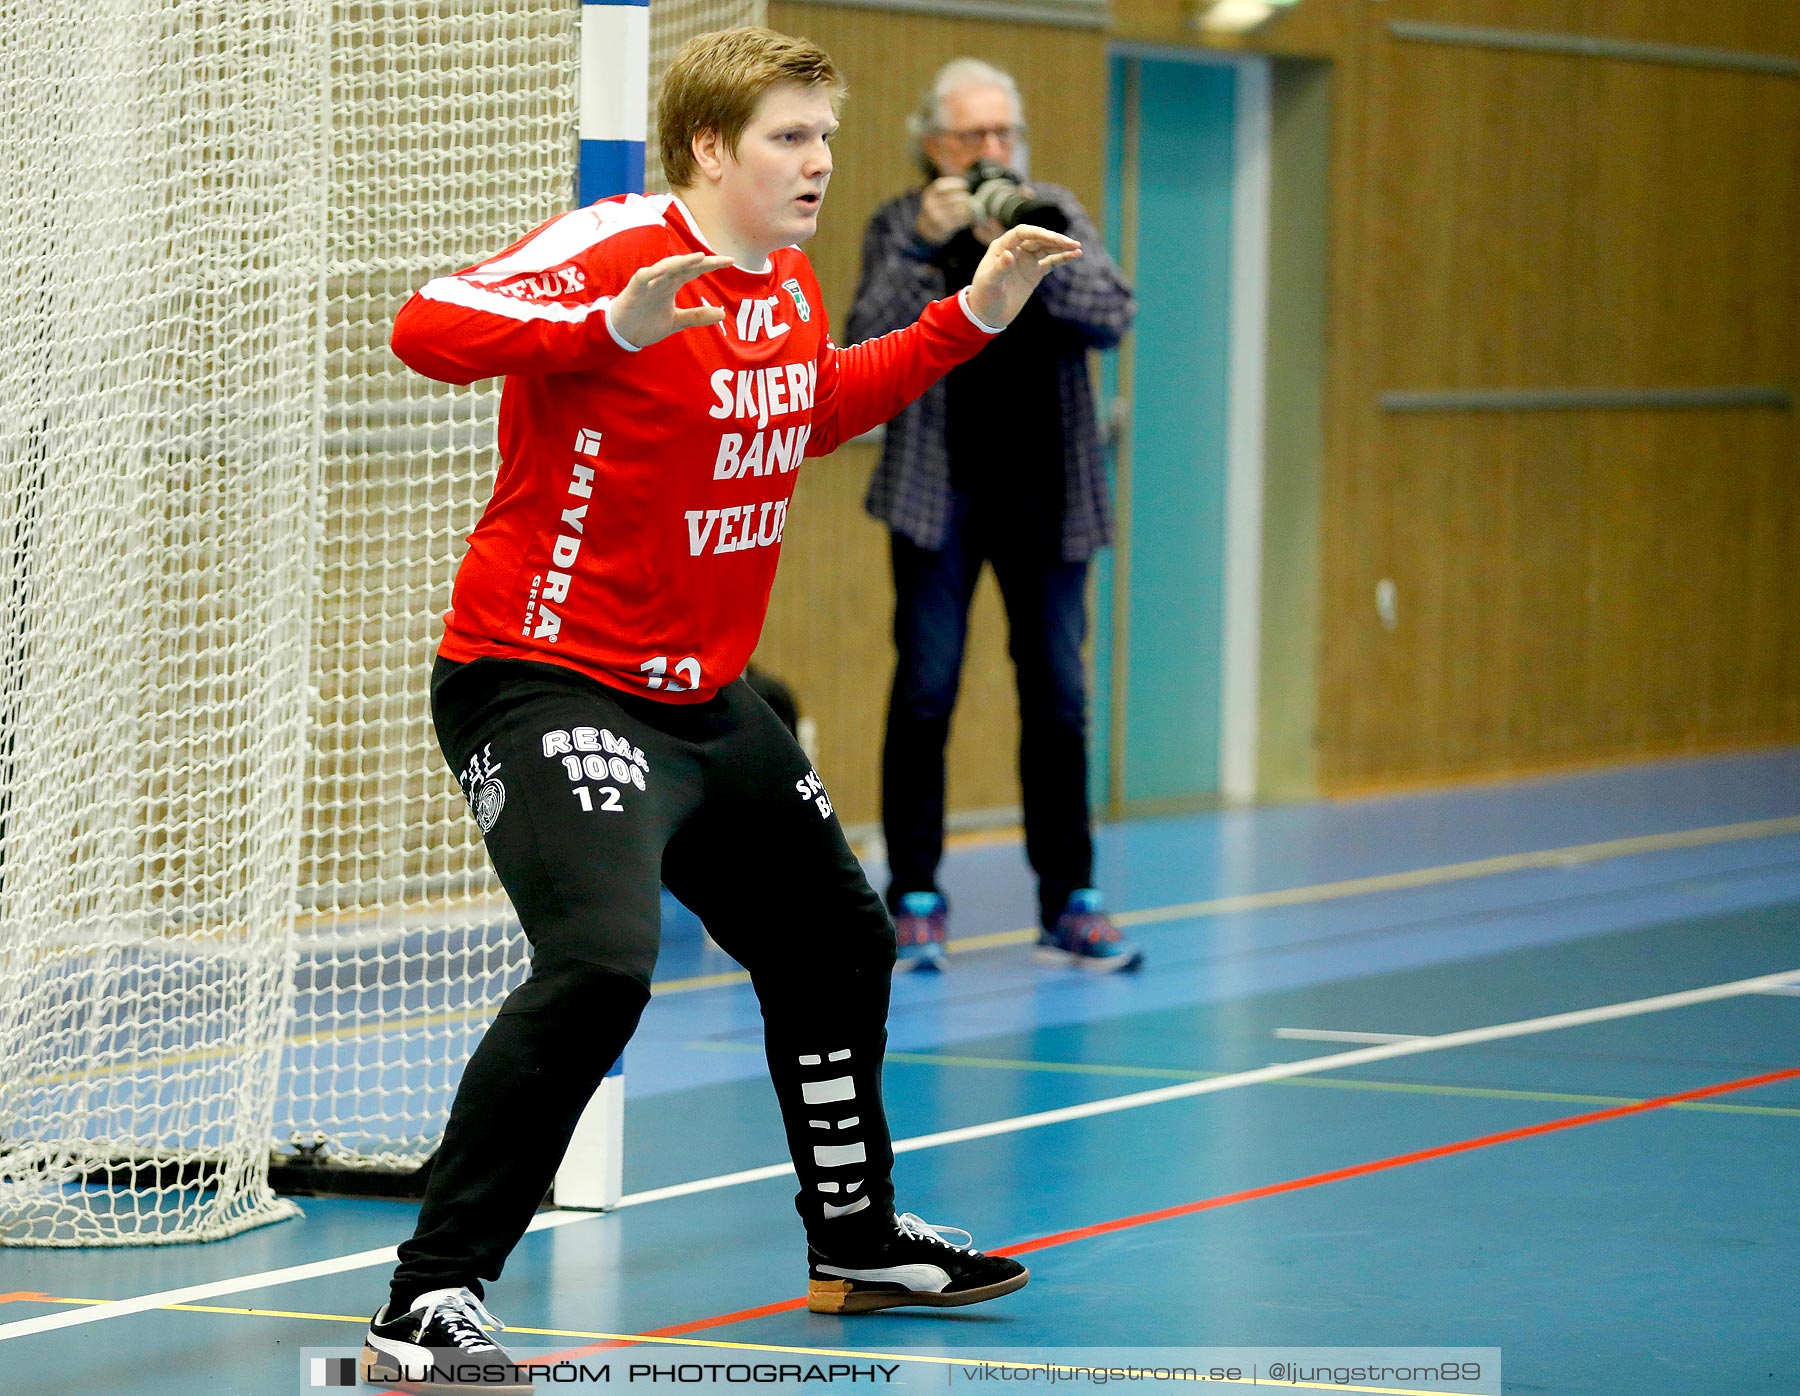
[694, 227]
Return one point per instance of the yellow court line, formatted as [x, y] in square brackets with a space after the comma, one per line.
[699, 981]
[215, 1309]
[137, 1066]
[1165, 1073]
[851, 1355]
[1335, 1083]
[1571, 856]
[1550, 1097]
[311, 920]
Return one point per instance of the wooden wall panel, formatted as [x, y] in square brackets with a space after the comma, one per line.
[1570, 589]
[1571, 585]
[829, 623]
[1293, 439]
[1314, 29]
[1548, 220]
[1748, 26]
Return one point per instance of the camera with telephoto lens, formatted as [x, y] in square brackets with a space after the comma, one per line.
[996, 192]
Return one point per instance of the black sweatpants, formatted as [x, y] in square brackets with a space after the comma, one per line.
[589, 798]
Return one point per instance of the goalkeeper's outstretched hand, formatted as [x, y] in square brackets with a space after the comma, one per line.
[645, 312]
[1010, 271]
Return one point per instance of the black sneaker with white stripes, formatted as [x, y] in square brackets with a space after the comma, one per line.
[440, 1347]
[917, 1264]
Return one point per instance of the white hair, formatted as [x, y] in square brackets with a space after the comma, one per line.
[956, 76]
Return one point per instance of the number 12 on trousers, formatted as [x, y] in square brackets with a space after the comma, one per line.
[597, 766]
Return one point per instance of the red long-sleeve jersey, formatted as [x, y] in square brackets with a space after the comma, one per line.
[638, 512]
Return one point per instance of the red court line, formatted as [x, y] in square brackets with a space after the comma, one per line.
[1336, 1175]
[1461, 1146]
[676, 1330]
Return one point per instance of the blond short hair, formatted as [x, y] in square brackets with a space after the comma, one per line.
[715, 82]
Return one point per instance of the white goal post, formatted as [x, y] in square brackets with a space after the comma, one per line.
[243, 913]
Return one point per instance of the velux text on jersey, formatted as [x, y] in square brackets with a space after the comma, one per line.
[560, 281]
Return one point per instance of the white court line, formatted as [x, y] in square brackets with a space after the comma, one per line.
[1343, 1035]
[361, 1260]
[119, 1308]
[1281, 1071]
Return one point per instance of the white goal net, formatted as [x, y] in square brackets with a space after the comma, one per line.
[242, 910]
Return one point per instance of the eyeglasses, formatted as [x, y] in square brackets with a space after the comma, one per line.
[980, 135]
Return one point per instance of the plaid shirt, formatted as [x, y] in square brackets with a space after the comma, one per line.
[910, 489]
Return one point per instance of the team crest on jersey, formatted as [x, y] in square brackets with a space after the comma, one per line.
[480, 781]
[489, 801]
[792, 287]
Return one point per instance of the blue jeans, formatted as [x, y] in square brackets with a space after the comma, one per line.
[1046, 616]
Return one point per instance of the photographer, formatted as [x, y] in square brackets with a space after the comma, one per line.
[998, 464]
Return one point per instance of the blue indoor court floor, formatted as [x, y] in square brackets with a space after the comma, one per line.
[1508, 1072]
